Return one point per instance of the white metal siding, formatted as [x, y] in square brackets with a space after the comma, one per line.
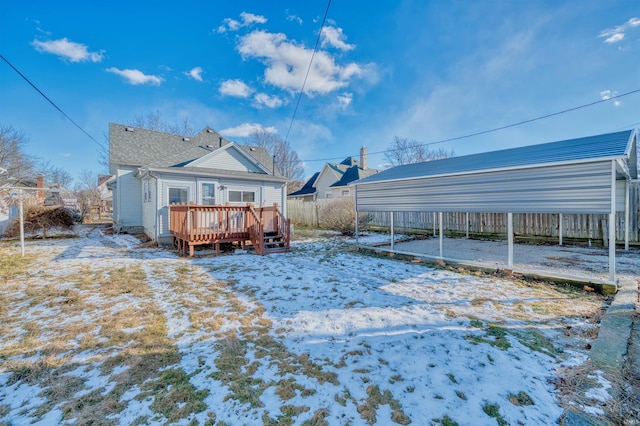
[230, 159]
[273, 193]
[325, 180]
[576, 188]
[149, 208]
[129, 203]
[163, 199]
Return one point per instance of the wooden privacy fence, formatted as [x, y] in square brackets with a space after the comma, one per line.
[534, 225]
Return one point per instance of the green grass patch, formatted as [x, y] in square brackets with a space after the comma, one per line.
[446, 421]
[493, 410]
[520, 399]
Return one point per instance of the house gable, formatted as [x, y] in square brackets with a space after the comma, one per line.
[228, 157]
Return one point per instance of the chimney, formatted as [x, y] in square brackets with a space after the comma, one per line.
[40, 186]
[363, 157]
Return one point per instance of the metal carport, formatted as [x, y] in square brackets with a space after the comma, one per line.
[585, 175]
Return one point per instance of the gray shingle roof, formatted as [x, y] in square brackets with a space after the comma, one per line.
[141, 147]
[308, 187]
[352, 174]
[611, 145]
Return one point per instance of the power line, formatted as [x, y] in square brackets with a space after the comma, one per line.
[315, 49]
[495, 129]
[50, 101]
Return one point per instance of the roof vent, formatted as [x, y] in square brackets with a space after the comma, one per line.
[209, 130]
[185, 139]
[209, 146]
[252, 149]
[128, 129]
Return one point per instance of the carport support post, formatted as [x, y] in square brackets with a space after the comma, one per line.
[612, 225]
[434, 224]
[510, 239]
[627, 187]
[560, 223]
[393, 239]
[466, 215]
[440, 220]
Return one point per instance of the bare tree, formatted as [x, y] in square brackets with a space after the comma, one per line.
[405, 151]
[55, 175]
[88, 193]
[285, 157]
[155, 121]
[13, 156]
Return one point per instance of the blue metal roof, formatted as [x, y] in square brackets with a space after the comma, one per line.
[592, 148]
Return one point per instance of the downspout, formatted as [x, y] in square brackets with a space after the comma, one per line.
[157, 225]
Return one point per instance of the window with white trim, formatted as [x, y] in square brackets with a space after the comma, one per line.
[242, 196]
[178, 196]
[345, 193]
[208, 194]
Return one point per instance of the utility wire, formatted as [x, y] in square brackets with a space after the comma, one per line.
[50, 101]
[495, 129]
[315, 49]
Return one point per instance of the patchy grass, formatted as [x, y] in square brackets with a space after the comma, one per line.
[493, 410]
[521, 398]
[494, 335]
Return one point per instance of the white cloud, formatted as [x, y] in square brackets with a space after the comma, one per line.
[247, 19]
[293, 18]
[250, 18]
[236, 88]
[345, 99]
[287, 64]
[74, 52]
[608, 94]
[332, 36]
[268, 101]
[246, 129]
[136, 77]
[616, 34]
[195, 73]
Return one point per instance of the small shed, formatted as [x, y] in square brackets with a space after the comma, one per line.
[585, 175]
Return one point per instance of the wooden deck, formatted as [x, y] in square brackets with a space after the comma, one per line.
[264, 228]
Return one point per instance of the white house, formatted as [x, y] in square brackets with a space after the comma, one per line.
[154, 169]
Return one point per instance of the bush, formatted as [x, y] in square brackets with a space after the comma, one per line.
[339, 215]
[41, 218]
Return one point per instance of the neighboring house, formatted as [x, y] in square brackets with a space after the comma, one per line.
[153, 170]
[335, 179]
[106, 195]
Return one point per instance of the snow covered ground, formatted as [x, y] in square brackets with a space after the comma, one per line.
[97, 329]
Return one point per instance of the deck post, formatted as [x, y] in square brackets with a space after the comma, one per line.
[560, 228]
[510, 239]
[441, 236]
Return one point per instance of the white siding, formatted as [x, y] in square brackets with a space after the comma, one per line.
[273, 193]
[129, 203]
[149, 207]
[229, 159]
[164, 184]
[327, 178]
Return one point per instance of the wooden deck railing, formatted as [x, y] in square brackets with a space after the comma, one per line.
[192, 225]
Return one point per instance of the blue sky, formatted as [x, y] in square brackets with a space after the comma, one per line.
[424, 70]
